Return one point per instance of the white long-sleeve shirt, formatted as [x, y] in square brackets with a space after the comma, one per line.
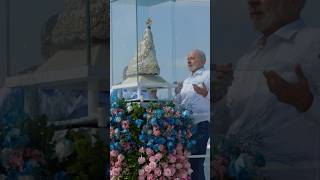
[199, 105]
[291, 141]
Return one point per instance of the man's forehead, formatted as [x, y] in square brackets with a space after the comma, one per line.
[193, 54]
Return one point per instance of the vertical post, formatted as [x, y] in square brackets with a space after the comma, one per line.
[102, 117]
[7, 61]
[31, 102]
[88, 33]
[93, 98]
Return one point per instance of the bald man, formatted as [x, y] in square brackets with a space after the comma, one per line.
[194, 93]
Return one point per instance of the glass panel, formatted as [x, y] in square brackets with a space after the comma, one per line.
[191, 31]
[123, 37]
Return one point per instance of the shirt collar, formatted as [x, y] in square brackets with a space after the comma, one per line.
[290, 29]
[286, 31]
[198, 72]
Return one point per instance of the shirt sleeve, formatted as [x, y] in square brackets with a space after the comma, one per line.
[312, 72]
[207, 84]
[313, 113]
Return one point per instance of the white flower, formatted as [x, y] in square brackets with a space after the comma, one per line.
[129, 108]
[64, 148]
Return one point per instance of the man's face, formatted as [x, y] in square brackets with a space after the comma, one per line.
[268, 14]
[194, 61]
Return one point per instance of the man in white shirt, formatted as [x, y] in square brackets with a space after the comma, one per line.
[274, 97]
[195, 95]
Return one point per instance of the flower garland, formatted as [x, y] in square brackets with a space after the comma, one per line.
[150, 141]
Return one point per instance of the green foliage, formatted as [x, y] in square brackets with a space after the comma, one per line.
[154, 105]
[90, 157]
[137, 111]
[122, 103]
[132, 172]
[40, 134]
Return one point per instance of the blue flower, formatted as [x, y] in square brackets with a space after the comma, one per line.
[156, 148]
[142, 138]
[153, 121]
[171, 121]
[118, 119]
[161, 140]
[145, 115]
[138, 122]
[170, 145]
[186, 114]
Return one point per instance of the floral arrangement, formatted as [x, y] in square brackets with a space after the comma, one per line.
[238, 158]
[86, 162]
[23, 162]
[25, 148]
[150, 141]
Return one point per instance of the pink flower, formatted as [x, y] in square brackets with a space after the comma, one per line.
[142, 177]
[174, 152]
[179, 165]
[153, 165]
[120, 157]
[189, 134]
[141, 160]
[149, 152]
[161, 147]
[115, 172]
[172, 159]
[179, 146]
[114, 111]
[141, 150]
[183, 174]
[181, 157]
[113, 153]
[173, 170]
[157, 172]
[158, 156]
[141, 172]
[186, 165]
[187, 153]
[126, 146]
[167, 172]
[164, 165]
[117, 164]
[157, 132]
[150, 177]
[147, 169]
[125, 124]
[152, 159]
